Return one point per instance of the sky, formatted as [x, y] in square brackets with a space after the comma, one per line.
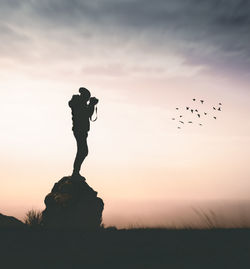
[141, 59]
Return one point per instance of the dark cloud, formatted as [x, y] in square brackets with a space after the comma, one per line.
[213, 33]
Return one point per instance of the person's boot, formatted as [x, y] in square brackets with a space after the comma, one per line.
[77, 176]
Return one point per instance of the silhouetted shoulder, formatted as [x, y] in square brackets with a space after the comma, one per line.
[74, 100]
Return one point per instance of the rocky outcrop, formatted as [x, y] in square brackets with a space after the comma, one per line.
[10, 222]
[73, 204]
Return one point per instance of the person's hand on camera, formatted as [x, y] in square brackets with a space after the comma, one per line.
[93, 101]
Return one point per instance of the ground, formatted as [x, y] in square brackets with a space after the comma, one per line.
[125, 249]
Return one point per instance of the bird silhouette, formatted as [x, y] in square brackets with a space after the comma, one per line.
[180, 116]
[187, 108]
[196, 110]
[202, 101]
[179, 127]
[199, 115]
[192, 110]
[220, 104]
[190, 122]
[219, 109]
[173, 118]
[214, 108]
[194, 99]
[200, 124]
[205, 113]
[215, 118]
[181, 121]
[177, 108]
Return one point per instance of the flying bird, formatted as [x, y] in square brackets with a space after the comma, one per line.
[196, 110]
[199, 115]
[205, 113]
[190, 122]
[220, 104]
[180, 116]
[173, 118]
[179, 127]
[219, 109]
[214, 108]
[194, 99]
[187, 108]
[181, 121]
[202, 101]
[192, 110]
[200, 124]
[177, 108]
[215, 118]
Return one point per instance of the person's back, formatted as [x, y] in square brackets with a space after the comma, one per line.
[80, 114]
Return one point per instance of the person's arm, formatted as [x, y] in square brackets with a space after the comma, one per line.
[92, 103]
[91, 110]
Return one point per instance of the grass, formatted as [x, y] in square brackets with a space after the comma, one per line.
[209, 247]
[33, 218]
[205, 219]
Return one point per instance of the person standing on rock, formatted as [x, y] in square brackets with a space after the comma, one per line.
[82, 107]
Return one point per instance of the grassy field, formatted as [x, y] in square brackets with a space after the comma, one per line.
[133, 248]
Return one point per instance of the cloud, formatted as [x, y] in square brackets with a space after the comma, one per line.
[211, 33]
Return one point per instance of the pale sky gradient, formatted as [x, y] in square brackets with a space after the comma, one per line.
[141, 59]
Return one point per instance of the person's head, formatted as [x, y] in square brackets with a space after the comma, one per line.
[84, 93]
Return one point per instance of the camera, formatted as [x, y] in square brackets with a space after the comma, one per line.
[93, 100]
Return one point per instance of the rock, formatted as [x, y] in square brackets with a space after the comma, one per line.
[10, 222]
[72, 204]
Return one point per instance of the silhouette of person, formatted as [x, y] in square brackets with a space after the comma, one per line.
[82, 107]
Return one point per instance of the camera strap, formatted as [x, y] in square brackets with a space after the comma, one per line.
[95, 116]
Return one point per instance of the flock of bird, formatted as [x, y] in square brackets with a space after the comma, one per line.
[198, 113]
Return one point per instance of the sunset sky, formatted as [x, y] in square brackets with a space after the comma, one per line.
[142, 59]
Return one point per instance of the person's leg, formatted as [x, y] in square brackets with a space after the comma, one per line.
[82, 151]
